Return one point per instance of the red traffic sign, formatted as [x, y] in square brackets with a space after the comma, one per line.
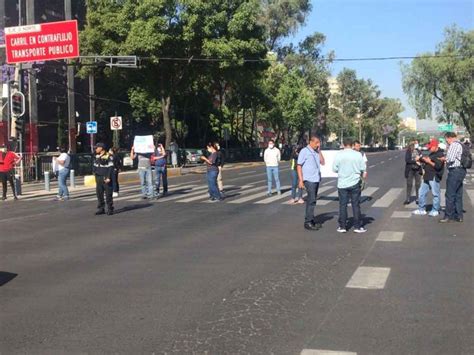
[41, 42]
[116, 123]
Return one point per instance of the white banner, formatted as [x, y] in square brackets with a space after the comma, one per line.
[326, 169]
[143, 144]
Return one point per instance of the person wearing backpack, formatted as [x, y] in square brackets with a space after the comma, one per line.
[458, 159]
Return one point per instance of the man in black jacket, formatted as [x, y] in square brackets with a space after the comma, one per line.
[433, 167]
[103, 169]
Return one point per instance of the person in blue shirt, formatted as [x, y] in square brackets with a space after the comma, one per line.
[350, 167]
[310, 160]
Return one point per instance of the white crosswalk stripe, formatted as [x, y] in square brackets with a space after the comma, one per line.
[388, 198]
[275, 198]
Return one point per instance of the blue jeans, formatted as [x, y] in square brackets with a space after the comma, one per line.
[454, 190]
[435, 188]
[62, 177]
[161, 173]
[273, 171]
[294, 186]
[353, 194]
[212, 183]
[146, 182]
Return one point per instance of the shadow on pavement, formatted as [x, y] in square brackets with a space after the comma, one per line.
[6, 277]
[132, 208]
[324, 217]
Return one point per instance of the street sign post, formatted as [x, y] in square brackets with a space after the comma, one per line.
[446, 127]
[116, 123]
[91, 127]
[41, 42]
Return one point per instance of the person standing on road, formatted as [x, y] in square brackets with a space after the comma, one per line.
[159, 159]
[8, 160]
[145, 173]
[62, 163]
[296, 191]
[433, 168]
[456, 164]
[310, 160]
[350, 167]
[412, 171]
[118, 163]
[272, 159]
[212, 172]
[220, 165]
[103, 169]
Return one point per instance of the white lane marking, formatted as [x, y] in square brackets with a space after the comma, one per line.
[248, 172]
[390, 159]
[369, 191]
[382, 162]
[369, 278]
[274, 198]
[253, 197]
[371, 166]
[389, 236]
[24, 217]
[325, 352]
[244, 190]
[332, 197]
[328, 182]
[193, 192]
[470, 193]
[200, 196]
[402, 214]
[387, 199]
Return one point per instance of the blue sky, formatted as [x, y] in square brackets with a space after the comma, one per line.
[384, 28]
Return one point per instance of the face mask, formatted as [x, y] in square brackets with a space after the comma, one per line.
[270, 146]
[417, 146]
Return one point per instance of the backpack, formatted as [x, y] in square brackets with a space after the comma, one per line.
[466, 157]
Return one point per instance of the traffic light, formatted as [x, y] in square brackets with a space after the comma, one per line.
[19, 125]
[17, 104]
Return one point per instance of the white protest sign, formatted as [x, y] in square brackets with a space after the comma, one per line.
[143, 144]
[326, 169]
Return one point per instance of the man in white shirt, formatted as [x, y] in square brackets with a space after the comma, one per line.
[63, 162]
[272, 158]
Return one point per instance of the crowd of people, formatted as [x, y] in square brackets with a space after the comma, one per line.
[424, 170]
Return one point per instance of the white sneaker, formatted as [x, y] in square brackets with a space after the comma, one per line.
[360, 230]
[341, 230]
[115, 194]
[433, 214]
[419, 212]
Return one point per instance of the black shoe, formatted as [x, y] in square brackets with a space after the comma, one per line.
[4, 198]
[446, 220]
[459, 220]
[311, 226]
[407, 202]
[15, 198]
[110, 212]
[416, 201]
[100, 212]
[317, 225]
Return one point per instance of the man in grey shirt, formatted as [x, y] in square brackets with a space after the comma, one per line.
[145, 173]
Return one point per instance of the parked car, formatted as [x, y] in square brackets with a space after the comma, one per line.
[193, 156]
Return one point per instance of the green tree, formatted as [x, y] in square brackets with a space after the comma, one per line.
[446, 82]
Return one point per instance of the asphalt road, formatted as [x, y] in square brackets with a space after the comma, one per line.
[182, 276]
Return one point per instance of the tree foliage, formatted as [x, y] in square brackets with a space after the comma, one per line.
[443, 86]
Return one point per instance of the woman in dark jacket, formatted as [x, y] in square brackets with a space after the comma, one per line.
[412, 171]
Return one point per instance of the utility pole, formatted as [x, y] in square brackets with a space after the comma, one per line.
[91, 105]
[70, 90]
[33, 96]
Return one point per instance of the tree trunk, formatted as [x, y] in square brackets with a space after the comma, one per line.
[165, 104]
[243, 128]
[252, 132]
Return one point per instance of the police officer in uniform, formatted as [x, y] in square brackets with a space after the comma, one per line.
[103, 170]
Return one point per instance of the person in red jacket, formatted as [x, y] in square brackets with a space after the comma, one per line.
[8, 160]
